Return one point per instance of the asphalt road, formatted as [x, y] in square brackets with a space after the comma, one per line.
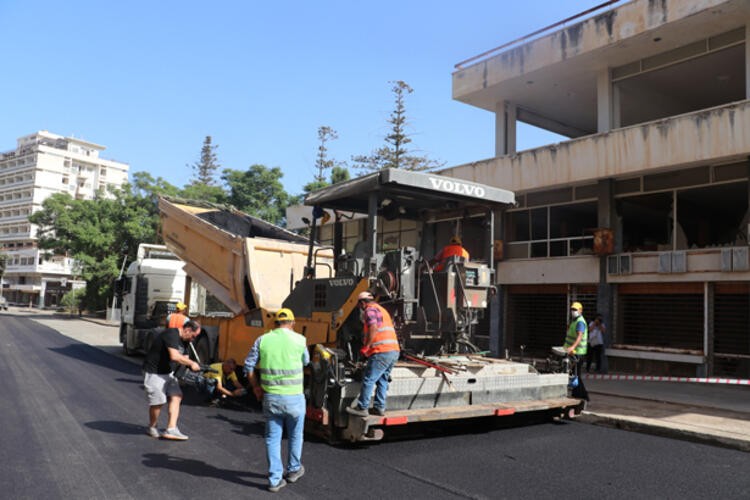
[73, 427]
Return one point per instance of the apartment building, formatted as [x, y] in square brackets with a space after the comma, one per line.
[43, 164]
[642, 214]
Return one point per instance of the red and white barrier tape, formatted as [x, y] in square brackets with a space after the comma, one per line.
[650, 378]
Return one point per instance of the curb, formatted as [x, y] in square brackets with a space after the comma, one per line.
[663, 431]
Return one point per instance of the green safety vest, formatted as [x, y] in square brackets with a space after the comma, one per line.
[280, 363]
[572, 335]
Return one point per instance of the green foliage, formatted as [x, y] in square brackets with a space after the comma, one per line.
[3, 264]
[323, 163]
[339, 174]
[395, 154]
[73, 300]
[258, 191]
[98, 233]
[205, 168]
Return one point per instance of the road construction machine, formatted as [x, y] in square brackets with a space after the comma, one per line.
[256, 268]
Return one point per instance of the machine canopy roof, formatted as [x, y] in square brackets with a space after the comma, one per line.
[407, 194]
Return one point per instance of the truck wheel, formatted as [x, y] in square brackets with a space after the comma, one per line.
[124, 339]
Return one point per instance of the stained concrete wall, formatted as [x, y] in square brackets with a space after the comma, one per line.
[704, 137]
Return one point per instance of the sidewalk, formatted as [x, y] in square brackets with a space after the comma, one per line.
[714, 414]
[707, 413]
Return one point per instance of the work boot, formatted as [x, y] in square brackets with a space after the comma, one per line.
[377, 411]
[357, 410]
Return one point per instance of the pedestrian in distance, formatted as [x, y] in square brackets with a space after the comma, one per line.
[167, 351]
[380, 347]
[597, 329]
[576, 344]
[274, 368]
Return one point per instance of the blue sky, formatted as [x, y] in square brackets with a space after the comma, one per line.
[150, 79]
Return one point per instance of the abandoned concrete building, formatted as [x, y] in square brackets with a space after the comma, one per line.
[642, 215]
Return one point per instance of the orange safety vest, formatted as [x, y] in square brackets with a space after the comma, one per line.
[176, 320]
[447, 252]
[384, 338]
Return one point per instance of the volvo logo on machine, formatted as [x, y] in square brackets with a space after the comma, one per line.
[341, 282]
[457, 187]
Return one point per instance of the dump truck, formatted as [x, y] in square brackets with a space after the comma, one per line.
[255, 269]
[148, 291]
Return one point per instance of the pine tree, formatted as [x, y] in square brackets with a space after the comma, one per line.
[206, 167]
[323, 163]
[395, 153]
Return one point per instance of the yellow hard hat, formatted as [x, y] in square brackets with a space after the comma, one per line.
[577, 306]
[455, 240]
[181, 306]
[284, 315]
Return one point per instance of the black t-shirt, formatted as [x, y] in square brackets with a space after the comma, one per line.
[157, 358]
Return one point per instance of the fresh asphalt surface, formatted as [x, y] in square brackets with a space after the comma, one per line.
[73, 421]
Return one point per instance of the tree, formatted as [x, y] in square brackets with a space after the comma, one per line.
[73, 300]
[98, 233]
[339, 174]
[395, 153]
[258, 191]
[205, 169]
[322, 162]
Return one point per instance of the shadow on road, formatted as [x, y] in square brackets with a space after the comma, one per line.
[83, 352]
[203, 469]
[243, 427]
[115, 427]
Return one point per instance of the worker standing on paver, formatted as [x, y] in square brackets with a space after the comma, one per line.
[380, 347]
[576, 344]
[278, 357]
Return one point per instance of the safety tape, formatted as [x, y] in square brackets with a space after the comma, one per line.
[651, 378]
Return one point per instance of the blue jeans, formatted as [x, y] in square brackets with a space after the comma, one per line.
[377, 371]
[283, 412]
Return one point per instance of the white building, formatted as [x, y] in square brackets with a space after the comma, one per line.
[43, 164]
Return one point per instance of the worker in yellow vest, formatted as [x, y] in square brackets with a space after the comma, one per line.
[576, 344]
[274, 369]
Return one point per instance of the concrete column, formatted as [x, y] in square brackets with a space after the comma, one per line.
[604, 101]
[42, 291]
[747, 60]
[706, 369]
[505, 128]
[497, 329]
[606, 217]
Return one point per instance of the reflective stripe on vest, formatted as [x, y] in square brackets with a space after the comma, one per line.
[572, 335]
[383, 339]
[280, 363]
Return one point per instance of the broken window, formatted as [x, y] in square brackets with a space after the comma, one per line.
[713, 216]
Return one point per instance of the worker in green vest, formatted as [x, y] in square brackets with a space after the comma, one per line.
[274, 369]
[576, 344]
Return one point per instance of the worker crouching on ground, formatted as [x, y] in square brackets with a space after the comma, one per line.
[380, 347]
[224, 380]
[454, 248]
[576, 343]
[278, 358]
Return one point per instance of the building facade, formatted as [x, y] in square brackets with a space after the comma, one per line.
[643, 213]
[43, 164]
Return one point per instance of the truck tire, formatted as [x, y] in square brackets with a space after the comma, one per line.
[124, 339]
[203, 348]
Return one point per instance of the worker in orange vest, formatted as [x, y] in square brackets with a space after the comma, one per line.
[179, 317]
[452, 249]
[380, 347]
